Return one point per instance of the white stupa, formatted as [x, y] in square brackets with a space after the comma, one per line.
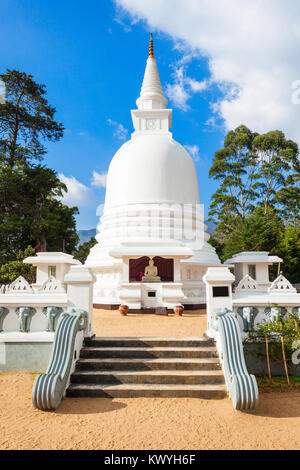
[151, 212]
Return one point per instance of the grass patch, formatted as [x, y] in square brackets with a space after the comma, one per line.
[277, 384]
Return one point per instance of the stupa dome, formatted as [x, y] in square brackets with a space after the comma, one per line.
[140, 169]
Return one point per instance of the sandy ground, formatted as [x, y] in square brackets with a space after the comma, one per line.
[111, 323]
[144, 423]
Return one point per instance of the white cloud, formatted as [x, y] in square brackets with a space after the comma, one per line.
[183, 86]
[99, 210]
[78, 194]
[252, 49]
[193, 150]
[178, 95]
[99, 179]
[118, 19]
[196, 86]
[120, 132]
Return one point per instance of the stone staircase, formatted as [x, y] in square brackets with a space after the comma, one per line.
[148, 367]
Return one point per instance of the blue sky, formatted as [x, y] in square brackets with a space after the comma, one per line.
[91, 56]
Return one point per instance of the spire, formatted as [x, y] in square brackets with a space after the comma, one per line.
[152, 96]
[151, 50]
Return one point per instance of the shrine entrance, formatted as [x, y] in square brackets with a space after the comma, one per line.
[165, 268]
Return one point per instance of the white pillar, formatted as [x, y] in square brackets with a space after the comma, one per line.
[80, 280]
[177, 272]
[125, 270]
[218, 282]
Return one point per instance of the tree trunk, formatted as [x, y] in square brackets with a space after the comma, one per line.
[41, 244]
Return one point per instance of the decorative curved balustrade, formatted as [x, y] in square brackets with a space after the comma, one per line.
[242, 387]
[48, 389]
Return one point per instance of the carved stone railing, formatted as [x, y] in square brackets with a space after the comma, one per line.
[242, 387]
[49, 388]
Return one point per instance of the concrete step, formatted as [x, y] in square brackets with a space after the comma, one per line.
[148, 342]
[148, 377]
[147, 390]
[134, 364]
[144, 353]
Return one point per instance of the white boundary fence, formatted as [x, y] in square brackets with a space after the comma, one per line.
[29, 313]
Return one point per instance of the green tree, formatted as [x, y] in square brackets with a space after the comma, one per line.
[258, 197]
[236, 168]
[40, 188]
[13, 269]
[288, 249]
[81, 253]
[30, 210]
[26, 119]
[277, 157]
[288, 198]
[257, 232]
[14, 234]
[60, 227]
[30, 213]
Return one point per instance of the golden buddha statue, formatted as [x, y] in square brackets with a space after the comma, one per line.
[151, 273]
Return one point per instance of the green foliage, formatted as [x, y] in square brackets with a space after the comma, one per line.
[277, 157]
[236, 168]
[30, 211]
[218, 245]
[13, 269]
[30, 214]
[289, 250]
[81, 253]
[60, 227]
[288, 199]
[277, 384]
[257, 232]
[257, 205]
[288, 328]
[25, 119]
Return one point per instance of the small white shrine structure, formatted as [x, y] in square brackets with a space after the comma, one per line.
[51, 264]
[254, 264]
[152, 212]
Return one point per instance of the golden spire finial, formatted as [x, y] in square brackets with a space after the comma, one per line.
[151, 51]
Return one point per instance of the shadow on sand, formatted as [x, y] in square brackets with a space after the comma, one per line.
[279, 405]
[84, 406]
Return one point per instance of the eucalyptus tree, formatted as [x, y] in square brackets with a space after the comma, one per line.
[237, 169]
[277, 157]
[288, 199]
